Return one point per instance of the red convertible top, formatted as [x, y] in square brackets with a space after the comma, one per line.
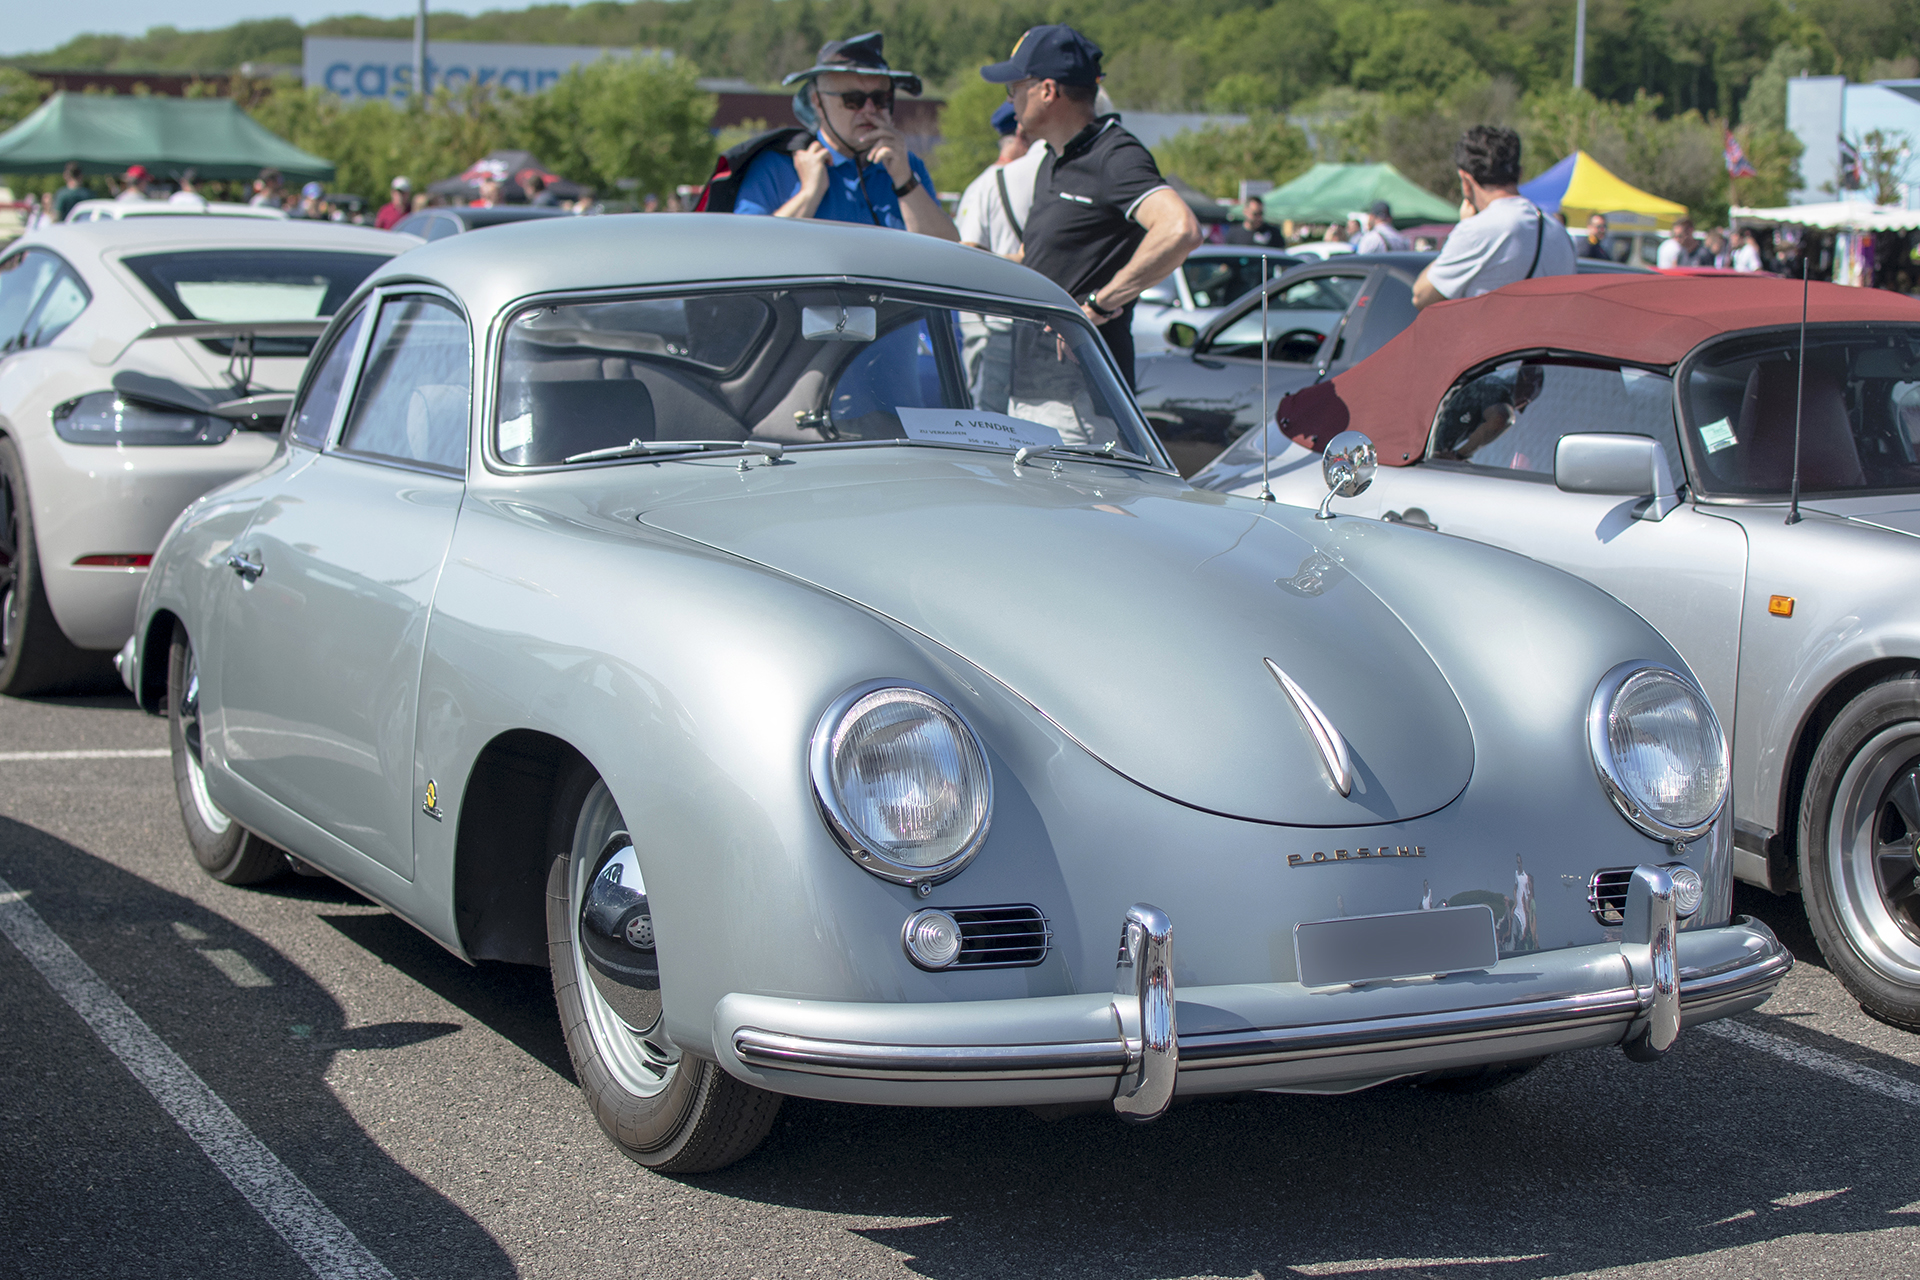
[1392, 395]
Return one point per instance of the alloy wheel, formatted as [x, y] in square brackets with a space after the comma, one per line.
[1875, 839]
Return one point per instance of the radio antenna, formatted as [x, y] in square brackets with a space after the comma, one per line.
[1800, 387]
[1266, 490]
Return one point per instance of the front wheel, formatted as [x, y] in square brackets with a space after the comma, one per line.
[667, 1110]
[224, 849]
[1860, 850]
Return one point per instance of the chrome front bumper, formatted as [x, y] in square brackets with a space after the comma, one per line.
[1137, 1046]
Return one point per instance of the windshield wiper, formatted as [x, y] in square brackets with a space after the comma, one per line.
[643, 448]
[1110, 450]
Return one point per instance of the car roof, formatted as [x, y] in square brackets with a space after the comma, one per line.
[547, 255]
[1647, 319]
[167, 209]
[83, 239]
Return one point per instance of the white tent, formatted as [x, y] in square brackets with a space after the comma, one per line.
[1834, 215]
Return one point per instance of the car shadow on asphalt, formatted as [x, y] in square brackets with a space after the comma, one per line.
[263, 1041]
[512, 1000]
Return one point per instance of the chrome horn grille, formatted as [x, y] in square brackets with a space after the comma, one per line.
[1607, 894]
[1002, 937]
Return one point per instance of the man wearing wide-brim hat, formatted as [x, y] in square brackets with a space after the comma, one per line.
[857, 167]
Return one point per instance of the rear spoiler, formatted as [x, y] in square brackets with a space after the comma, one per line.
[204, 330]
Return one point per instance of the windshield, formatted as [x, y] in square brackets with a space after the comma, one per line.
[1299, 318]
[235, 286]
[809, 365]
[1859, 419]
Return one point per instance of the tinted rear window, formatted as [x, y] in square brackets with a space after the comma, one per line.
[240, 285]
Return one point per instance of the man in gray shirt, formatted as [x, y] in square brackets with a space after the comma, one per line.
[1506, 238]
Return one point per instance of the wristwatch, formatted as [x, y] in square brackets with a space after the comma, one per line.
[913, 180]
[1092, 301]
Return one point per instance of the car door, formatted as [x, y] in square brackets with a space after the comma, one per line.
[323, 640]
[1199, 402]
[1488, 475]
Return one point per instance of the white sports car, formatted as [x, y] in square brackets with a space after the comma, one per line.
[142, 362]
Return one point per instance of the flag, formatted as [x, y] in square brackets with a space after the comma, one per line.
[1738, 166]
[1853, 174]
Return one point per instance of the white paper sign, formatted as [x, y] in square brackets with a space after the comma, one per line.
[976, 426]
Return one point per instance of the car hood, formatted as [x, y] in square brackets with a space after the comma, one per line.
[1134, 613]
[1897, 513]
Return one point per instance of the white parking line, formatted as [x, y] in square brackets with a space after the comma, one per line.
[1817, 1060]
[132, 753]
[321, 1240]
[239, 970]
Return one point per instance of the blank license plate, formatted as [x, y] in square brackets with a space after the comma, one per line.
[1406, 944]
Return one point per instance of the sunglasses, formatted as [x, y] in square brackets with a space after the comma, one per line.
[882, 99]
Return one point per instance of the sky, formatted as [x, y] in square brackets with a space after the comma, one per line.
[34, 28]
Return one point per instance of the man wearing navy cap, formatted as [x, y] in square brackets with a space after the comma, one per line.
[857, 168]
[1104, 226]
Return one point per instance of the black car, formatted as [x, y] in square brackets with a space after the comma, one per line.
[1204, 391]
[438, 224]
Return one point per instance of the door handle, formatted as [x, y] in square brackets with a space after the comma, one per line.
[249, 570]
[1413, 516]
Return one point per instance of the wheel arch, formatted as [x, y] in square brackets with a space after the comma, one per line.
[1784, 852]
[499, 863]
[150, 685]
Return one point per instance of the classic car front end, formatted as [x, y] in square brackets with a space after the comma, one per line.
[828, 675]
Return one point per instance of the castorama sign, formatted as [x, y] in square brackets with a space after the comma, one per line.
[361, 69]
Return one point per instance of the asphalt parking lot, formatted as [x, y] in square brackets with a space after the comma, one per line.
[429, 1108]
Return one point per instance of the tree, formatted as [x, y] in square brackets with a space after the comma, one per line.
[1887, 158]
[1216, 160]
[640, 118]
[20, 94]
[968, 142]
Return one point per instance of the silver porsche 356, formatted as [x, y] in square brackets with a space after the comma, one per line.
[797, 639]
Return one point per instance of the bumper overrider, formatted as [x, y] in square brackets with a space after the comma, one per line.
[1139, 1046]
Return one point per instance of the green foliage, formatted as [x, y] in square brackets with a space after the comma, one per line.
[20, 93]
[968, 142]
[1887, 158]
[1215, 160]
[640, 118]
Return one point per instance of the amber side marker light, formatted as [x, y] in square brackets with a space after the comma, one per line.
[1780, 606]
[129, 561]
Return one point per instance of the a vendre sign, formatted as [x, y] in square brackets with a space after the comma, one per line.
[359, 69]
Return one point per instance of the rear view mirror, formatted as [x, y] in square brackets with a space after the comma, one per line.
[839, 324]
[1623, 465]
[1182, 335]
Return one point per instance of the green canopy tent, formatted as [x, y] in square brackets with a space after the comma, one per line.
[1329, 192]
[107, 133]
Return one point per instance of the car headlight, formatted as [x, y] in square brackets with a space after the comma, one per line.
[105, 418]
[903, 782]
[1658, 749]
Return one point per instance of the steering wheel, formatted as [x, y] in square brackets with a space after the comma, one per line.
[1298, 345]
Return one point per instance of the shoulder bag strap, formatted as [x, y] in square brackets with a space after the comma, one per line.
[1006, 204]
[1539, 240]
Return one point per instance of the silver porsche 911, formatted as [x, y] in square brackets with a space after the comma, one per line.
[793, 635]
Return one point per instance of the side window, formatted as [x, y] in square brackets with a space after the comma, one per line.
[23, 278]
[1387, 314]
[413, 399]
[1299, 319]
[60, 305]
[1511, 417]
[441, 226]
[314, 417]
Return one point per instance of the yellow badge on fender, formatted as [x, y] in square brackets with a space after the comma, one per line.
[432, 806]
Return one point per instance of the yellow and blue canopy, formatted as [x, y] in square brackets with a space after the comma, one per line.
[1580, 186]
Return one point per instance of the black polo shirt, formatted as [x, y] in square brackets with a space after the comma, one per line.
[1081, 231]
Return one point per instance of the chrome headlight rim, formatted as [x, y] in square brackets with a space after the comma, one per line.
[1604, 695]
[846, 833]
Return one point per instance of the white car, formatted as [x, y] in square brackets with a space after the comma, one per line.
[113, 210]
[142, 362]
[1212, 276]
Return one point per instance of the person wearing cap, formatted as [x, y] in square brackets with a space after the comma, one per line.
[1255, 229]
[992, 213]
[1104, 226]
[399, 204]
[1381, 236]
[857, 168]
[136, 183]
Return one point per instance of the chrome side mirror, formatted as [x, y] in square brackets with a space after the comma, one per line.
[1348, 466]
[1619, 465]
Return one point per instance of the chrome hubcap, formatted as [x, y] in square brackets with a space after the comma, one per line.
[613, 940]
[1875, 842]
[211, 815]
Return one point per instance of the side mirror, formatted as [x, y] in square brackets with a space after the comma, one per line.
[1347, 466]
[1622, 465]
[1182, 336]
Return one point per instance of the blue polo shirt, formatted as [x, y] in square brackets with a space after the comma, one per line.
[771, 181]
